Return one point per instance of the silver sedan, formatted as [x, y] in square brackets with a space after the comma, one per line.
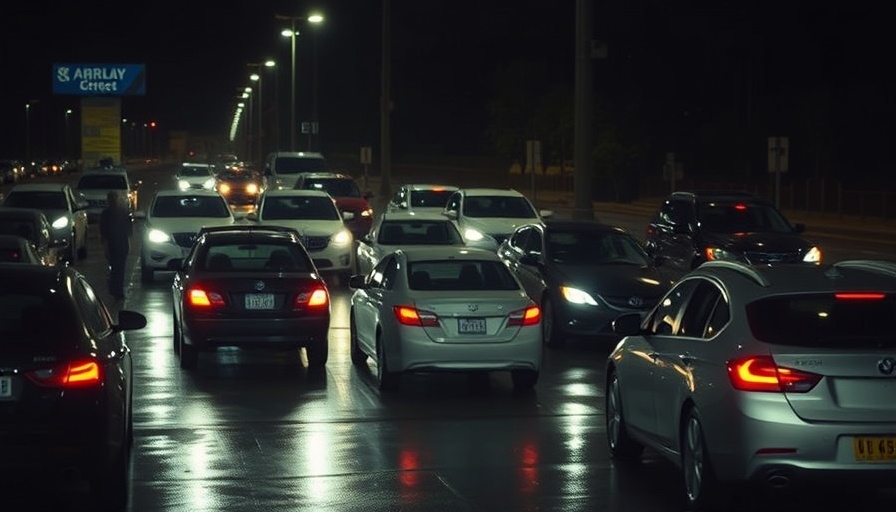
[455, 309]
[771, 375]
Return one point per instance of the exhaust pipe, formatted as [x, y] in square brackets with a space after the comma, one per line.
[777, 479]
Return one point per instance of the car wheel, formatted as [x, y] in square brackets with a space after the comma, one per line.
[317, 352]
[358, 355]
[524, 379]
[147, 275]
[553, 335]
[189, 356]
[388, 380]
[622, 447]
[177, 335]
[701, 488]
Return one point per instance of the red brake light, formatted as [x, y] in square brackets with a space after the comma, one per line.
[529, 316]
[740, 207]
[859, 296]
[200, 298]
[409, 315]
[316, 298]
[761, 373]
[73, 374]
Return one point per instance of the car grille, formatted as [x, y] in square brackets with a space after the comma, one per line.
[184, 239]
[755, 258]
[315, 243]
[630, 302]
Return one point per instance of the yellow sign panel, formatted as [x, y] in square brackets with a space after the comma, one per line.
[100, 130]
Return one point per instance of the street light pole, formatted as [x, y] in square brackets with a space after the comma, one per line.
[67, 150]
[292, 33]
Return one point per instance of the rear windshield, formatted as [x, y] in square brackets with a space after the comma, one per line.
[22, 228]
[102, 182]
[297, 164]
[460, 275]
[194, 171]
[741, 217]
[255, 257]
[498, 207]
[30, 321]
[419, 232]
[430, 198]
[336, 187]
[40, 200]
[190, 206]
[848, 321]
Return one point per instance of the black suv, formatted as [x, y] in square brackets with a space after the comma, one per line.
[693, 227]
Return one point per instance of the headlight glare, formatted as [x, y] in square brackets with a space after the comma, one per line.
[60, 223]
[157, 236]
[576, 296]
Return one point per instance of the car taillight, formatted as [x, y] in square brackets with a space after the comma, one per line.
[859, 296]
[761, 373]
[200, 298]
[529, 316]
[409, 315]
[73, 374]
[317, 298]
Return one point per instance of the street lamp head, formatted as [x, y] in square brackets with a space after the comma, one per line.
[247, 91]
[269, 63]
[289, 32]
[255, 77]
[316, 18]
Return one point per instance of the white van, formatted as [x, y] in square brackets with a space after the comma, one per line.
[282, 168]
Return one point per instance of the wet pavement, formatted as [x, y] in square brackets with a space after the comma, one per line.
[255, 431]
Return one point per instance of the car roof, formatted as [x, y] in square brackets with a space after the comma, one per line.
[236, 231]
[296, 192]
[429, 186]
[578, 225]
[765, 280]
[325, 175]
[13, 240]
[509, 192]
[21, 213]
[446, 252]
[411, 215]
[40, 187]
[188, 192]
[718, 195]
[37, 278]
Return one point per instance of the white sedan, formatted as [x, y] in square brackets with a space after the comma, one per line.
[171, 224]
[313, 213]
[491, 211]
[455, 309]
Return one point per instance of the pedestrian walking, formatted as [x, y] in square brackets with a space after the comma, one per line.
[115, 234]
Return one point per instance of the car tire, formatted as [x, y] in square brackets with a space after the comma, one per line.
[387, 379]
[553, 335]
[358, 356]
[622, 447]
[702, 490]
[317, 353]
[147, 274]
[524, 379]
[189, 356]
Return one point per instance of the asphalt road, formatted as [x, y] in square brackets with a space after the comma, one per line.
[253, 431]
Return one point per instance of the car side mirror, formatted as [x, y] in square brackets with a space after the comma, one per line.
[628, 324]
[357, 281]
[130, 320]
[546, 213]
[140, 215]
[451, 214]
[348, 215]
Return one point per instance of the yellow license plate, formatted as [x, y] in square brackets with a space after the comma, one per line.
[874, 449]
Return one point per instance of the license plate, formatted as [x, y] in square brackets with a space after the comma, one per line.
[259, 301]
[471, 325]
[5, 387]
[874, 449]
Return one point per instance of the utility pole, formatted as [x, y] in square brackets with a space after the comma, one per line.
[584, 112]
[385, 108]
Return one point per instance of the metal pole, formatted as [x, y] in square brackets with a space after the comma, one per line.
[260, 128]
[583, 122]
[314, 128]
[385, 108]
[28, 133]
[292, 93]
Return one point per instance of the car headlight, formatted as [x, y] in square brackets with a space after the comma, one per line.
[367, 213]
[473, 235]
[224, 188]
[715, 253]
[157, 236]
[60, 223]
[209, 183]
[251, 188]
[342, 238]
[183, 184]
[576, 296]
[813, 256]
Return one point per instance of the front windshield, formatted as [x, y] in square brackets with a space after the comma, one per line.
[574, 247]
[102, 182]
[736, 217]
[309, 208]
[418, 233]
[190, 206]
[41, 200]
[235, 175]
[193, 171]
[514, 207]
[336, 187]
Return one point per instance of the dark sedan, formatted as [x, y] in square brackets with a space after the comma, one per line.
[17, 249]
[32, 225]
[66, 382]
[584, 274]
[251, 287]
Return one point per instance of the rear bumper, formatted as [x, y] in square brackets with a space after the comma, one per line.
[273, 333]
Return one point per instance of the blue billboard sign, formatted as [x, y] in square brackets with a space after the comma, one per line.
[99, 79]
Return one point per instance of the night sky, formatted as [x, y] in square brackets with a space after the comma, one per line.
[708, 80]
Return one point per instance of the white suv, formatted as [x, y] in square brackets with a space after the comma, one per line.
[491, 211]
[282, 168]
